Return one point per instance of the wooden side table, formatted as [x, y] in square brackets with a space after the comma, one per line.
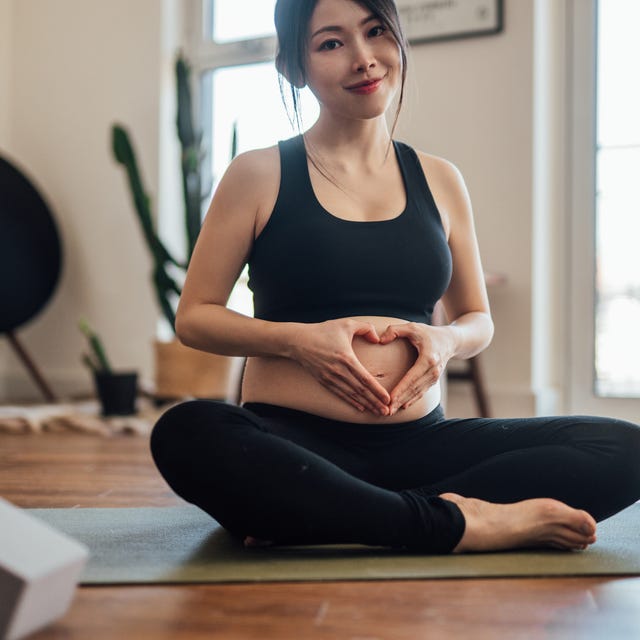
[472, 373]
[472, 369]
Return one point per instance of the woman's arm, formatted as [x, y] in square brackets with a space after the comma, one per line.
[465, 301]
[239, 210]
[202, 320]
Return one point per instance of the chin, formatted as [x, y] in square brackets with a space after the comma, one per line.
[370, 114]
[374, 109]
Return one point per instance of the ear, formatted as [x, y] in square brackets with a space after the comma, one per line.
[297, 81]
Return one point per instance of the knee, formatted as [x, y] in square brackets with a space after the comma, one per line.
[608, 452]
[191, 427]
[166, 429]
[625, 436]
[630, 437]
[624, 442]
[180, 428]
[607, 437]
[166, 434]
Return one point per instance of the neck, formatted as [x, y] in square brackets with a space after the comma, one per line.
[363, 141]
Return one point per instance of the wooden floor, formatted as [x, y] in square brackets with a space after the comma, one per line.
[56, 470]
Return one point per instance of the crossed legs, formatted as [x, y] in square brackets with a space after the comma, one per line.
[294, 478]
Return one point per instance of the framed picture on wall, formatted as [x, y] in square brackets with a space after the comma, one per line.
[429, 20]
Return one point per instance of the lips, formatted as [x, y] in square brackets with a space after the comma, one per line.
[365, 83]
[366, 87]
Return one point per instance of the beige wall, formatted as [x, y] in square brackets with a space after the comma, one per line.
[5, 117]
[6, 51]
[76, 67]
[489, 104]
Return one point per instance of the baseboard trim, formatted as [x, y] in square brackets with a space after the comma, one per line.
[18, 386]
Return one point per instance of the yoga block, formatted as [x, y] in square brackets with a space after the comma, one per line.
[39, 570]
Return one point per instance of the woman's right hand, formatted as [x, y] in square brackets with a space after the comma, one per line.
[325, 350]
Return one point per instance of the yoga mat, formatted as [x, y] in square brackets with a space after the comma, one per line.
[184, 545]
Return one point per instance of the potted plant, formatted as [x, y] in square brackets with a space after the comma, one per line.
[180, 370]
[116, 390]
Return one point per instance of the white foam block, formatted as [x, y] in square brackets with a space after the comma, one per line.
[39, 570]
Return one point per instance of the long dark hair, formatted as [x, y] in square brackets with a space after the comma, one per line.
[292, 19]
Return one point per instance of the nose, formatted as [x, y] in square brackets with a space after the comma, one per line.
[363, 58]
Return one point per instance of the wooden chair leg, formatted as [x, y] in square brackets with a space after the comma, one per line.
[31, 367]
[482, 400]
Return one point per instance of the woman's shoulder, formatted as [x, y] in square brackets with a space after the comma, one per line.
[438, 168]
[252, 180]
[445, 179]
[260, 164]
[447, 186]
[251, 185]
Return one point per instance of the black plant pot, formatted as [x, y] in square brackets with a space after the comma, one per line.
[117, 392]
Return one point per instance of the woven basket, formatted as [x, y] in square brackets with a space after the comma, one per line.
[184, 372]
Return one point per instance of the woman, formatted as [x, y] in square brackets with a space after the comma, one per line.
[351, 238]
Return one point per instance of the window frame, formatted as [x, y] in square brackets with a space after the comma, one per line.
[582, 158]
[206, 54]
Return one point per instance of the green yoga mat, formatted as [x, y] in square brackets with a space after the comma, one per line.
[183, 544]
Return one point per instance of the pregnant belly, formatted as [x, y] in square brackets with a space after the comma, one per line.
[284, 382]
[386, 362]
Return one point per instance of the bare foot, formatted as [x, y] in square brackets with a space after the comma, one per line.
[541, 522]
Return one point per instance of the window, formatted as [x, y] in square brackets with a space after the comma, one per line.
[240, 19]
[605, 208]
[617, 347]
[239, 91]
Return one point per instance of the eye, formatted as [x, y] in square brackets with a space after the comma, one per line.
[329, 45]
[378, 30]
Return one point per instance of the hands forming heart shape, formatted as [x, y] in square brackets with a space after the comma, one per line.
[326, 350]
[433, 349]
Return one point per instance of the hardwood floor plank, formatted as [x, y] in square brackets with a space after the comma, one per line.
[405, 610]
[69, 470]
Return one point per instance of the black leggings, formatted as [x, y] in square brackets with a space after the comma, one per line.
[294, 478]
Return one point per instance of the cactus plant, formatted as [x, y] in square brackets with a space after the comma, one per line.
[167, 289]
[96, 359]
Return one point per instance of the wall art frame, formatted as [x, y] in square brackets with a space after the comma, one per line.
[434, 20]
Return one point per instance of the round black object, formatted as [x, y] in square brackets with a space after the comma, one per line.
[30, 252]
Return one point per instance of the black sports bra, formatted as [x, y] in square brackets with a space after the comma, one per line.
[308, 265]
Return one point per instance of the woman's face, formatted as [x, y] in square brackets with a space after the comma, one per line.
[353, 65]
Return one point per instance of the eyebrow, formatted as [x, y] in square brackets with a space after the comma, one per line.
[336, 28]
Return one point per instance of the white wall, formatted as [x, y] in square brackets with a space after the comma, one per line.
[488, 104]
[77, 67]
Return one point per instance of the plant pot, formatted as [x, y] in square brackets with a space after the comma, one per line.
[117, 392]
[185, 372]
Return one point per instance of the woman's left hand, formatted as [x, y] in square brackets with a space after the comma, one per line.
[435, 347]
